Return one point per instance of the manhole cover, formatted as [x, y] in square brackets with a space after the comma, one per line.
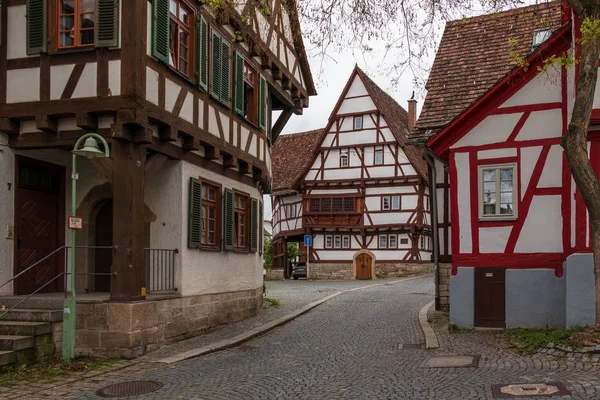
[126, 389]
[452, 362]
[404, 346]
[522, 390]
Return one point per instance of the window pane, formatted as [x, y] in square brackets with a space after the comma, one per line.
[506, 186]
[396, 202]
[326, 205]
[212, 194]
[358, 123]
[349, 204]
[337, 205]
[86, 5]
[382, 241]
[173, 7]
[489, 175]
[489, 198]
[393, 241]
[66, 23]
[314, 205]
[183, 15]
[211, 225]
[183, 66]
[87, 21]
[506, 209]
[211, 212]
[338, 242]
[386, 203]
[378, 157]
[506, 197]
[66, 39]
[489, 187]
[87, 36]
[506, 174]
[211, 238]
[67, 7]
[489, 209]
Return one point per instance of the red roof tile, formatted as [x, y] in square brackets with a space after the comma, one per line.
[475, 54]
[290, 156]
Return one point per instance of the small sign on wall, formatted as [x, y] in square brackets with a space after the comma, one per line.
[75, 223]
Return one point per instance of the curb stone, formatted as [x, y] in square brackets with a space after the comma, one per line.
[252, 333]
[431, 340]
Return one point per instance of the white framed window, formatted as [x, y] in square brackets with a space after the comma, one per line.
[385, 203]
[403, 240]
[497, 191]
[383, 241]
[395, 202]
[337, 242]
[344, 160]
[393, 241]
[328, 242]
[358, 122]
[378, 155]
[346, 241]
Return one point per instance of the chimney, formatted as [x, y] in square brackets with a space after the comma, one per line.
[412, 113]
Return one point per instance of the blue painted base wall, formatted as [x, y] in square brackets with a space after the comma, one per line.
[534, 298]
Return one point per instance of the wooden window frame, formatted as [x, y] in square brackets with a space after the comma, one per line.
[389, 241]
[217, 204]
[191, 31]
[344, 238]
[335, 241]
[251, 104]
[379, 237]
[55, 31]
[345, 154]
[399, 202]
[378, 149]
[236, 224]
[342, 198]
[330, 238]
[404, 239]
[389, 198]
[355, 119]
[515, 193]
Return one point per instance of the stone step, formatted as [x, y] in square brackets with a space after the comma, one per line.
[33, 315]
[11, 342]
[25, 328]
[32, 302]
[8, 357]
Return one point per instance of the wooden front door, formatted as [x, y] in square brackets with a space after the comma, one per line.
[490, 303]
[39, 212]
[104, 237]
[363, 266]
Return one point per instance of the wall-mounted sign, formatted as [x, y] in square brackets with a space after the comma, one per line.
[76, 223]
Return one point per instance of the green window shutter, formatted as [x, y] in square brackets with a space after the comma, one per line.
[202, 37]
[228, 220]
[225, 73]
[238, 84]
[160, 30]
[215, 83]
[107, 23]
[195, 231]
[261, 239]
[37, 32]
[253, 225]
[262, 103]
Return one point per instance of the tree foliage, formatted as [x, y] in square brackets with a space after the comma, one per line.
[292, 252]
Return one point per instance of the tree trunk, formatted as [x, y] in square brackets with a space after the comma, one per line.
[574, 143]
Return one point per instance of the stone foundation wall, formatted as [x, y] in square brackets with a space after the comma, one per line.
[445, 272]
[131, 329]
[344, 271]
[275, 273]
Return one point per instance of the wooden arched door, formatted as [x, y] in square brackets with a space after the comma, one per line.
[363, 266]
[104, 237]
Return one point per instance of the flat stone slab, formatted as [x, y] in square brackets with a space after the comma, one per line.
[523, 390]
[468, 361]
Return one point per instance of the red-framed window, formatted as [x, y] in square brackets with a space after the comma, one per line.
[76, 21]
[211, 203]
[332, 205]
[250, 93]
[181, 29]
[241, 221]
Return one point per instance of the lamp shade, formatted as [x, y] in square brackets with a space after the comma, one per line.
[90, 149]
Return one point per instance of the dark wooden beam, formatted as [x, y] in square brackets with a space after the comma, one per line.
[230, 161]
[265, 61]
[143, 135]
[244, 168]
[286, 83]
[283, 119]
[211, 153]
[167, 133]
[276, 73]
[46, 123]
[191, 143]
[86, 121]
[10, 126]
[252, 49]
[256, 173]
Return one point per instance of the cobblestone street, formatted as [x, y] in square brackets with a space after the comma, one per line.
[348, 348]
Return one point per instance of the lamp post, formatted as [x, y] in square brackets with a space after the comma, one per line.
[90, 150]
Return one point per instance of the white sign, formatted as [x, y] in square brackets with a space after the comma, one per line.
[76, 223]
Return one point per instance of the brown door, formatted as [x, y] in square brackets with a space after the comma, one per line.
[490, 304]
[363, 266]
[104, 236]
[38, 229]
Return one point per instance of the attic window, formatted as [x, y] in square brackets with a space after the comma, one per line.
[540, 36]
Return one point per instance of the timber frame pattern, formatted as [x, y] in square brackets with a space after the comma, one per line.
[139, 104]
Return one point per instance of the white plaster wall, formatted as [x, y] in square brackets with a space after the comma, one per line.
[552, 172]
[152, 86]
[171, 93]
[213, 128]
[346, 173]
[59, 76]
[544, 88]
[356, 105]
[357, 137]
[493, 129]
[206, 272]
[114, 77]
[149, 29]
[23, 85]
[496, 153]
[529, 157]
[334, 191]
[542, 230]
[16, 47]
[542, 125]
[389, 217]
[493, 240]
[86, 87]
[464, 202]
[390, 190]
[187, 110]
[357, 88]
[381, 172]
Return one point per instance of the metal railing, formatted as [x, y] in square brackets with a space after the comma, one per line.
[160, 269]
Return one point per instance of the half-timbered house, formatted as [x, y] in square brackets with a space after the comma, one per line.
[356, 188]
[513, 221]
[183, 92]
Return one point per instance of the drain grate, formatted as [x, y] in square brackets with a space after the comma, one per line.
[519, 391]
[404, 346]
[126, 389]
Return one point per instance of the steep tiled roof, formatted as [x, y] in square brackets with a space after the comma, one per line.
[475, 54]
[290, 156]
[397, 119]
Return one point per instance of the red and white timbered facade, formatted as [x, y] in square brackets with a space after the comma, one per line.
[360, 190]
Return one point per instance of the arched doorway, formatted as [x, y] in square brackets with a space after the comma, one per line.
[104, 236]
[363, 265]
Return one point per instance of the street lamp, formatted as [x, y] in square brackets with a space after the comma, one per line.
[90, 150]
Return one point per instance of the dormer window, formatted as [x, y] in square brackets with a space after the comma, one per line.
[540, 36]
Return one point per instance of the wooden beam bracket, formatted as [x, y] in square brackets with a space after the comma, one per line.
[230, 161]
[191, 143]
[86, 121]
[211, 152]
[46, 123]
[9, 126]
